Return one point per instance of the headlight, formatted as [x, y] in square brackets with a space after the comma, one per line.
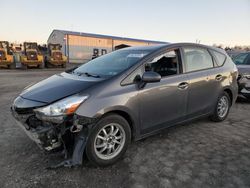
[61, 108]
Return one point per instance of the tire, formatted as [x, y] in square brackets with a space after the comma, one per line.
[119, 143]
[48, 65]
[41, 66]
[12, 65]
[221, 115]
[24, 67]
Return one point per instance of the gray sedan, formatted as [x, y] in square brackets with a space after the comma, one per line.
[129, 94]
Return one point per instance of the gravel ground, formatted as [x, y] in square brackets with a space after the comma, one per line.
[198, 154]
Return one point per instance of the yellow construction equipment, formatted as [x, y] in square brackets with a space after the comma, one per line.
[54, 57]
[31, 56]
[6, 55]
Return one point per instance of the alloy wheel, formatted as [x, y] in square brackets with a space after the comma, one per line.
[222, 107]
[109, 141]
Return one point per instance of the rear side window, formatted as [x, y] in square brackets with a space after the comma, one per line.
[197, 59]
[219, 57]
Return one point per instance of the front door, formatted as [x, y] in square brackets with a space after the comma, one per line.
[163, 103]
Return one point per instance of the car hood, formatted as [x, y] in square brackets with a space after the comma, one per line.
[57, 87]
[244, 69]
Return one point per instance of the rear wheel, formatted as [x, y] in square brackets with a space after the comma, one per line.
[48, 65]
[41, 66]
[108, 141]
[23, 66]
[12, 65]
[222, 108]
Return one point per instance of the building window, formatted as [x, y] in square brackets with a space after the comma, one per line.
[95, 53]
[104, 51]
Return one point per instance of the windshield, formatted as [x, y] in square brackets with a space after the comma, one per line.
[242, 59]
[111, 64]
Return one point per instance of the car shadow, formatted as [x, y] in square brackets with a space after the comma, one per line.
[243, 100]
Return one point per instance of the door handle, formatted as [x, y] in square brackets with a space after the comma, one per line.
[183, 85]
[218, 77]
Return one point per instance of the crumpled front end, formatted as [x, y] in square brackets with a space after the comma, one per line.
[45, 134]
[244, 85]
[68, 135]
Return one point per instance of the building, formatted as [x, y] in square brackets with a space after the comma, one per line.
[82, 47]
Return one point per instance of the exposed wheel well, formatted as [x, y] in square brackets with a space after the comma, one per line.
[229, 92]
[126, 116]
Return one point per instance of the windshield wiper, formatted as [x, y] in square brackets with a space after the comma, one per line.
[90, 75]
[87, 74]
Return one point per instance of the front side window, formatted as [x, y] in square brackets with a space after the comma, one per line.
[197, 59]
[242, 59]
[112, 64]
[165, 64]
[134, 77]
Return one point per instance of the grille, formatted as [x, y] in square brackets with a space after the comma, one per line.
[31, 55]
[23, 110]
[33, 122]
[2, 55]
[57, 55]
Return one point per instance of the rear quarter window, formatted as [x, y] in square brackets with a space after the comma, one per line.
[220, 58]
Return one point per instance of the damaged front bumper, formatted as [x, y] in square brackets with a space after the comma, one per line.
[69, 136]
[244, 86]
[44, 134]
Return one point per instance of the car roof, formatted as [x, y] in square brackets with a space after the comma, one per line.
[172, 45]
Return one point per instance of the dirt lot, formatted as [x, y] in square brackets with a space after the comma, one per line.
[199, 154]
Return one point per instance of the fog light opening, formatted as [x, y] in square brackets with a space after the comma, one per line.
[76, 128]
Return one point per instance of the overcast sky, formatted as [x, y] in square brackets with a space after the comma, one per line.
[210, 21]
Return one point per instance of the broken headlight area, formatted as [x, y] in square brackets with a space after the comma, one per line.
[49, 136]
[69, 136]
[58, 111]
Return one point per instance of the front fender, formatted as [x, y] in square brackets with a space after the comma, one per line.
[124, 103]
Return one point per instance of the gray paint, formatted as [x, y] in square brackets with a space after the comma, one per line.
[149, 107]
[163, 102]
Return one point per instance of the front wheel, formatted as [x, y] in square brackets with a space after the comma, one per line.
[24, 66]
[108, 141]
[12, 65]
[222, 108]
[41, 66]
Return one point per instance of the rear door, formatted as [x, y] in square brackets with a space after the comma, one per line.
[198, 64]
[164, 103]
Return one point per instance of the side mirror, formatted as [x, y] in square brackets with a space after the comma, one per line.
[150, 77]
